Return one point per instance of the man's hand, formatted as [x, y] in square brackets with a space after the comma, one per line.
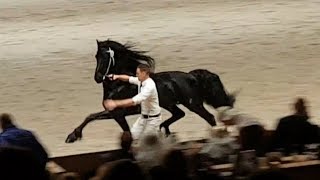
[121, 77]
[109, 105]
[112, 77]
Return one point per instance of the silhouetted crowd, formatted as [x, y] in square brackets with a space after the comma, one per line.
[157, 157]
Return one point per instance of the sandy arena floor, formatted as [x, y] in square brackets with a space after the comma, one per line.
[270, 49]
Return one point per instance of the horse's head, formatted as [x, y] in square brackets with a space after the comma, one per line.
[114, 58]
[106, 56]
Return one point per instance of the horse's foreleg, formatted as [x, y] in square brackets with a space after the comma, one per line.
[77, 133]
[118, 115]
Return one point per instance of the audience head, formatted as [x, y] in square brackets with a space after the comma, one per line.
[150, 141]
[219, 132]
[227, 115]
[119, 169]
[300, 107]
[6, 120]
[175, 163]
[126, 141]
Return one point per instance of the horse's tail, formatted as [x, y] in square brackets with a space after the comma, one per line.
[211, 89]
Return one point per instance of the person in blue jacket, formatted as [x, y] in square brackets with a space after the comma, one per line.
[14, 136]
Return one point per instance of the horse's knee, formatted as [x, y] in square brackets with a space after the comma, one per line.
[180, 114]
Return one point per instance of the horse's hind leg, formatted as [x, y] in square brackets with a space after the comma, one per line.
[199, 109]
[177, 114]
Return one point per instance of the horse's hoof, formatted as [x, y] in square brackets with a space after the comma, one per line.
[166, 130]
[74, 136]
[160, 127]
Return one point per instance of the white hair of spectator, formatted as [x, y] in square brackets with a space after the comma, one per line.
[226, 113]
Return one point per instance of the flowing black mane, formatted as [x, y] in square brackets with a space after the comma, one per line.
[139, 56]
[128, 54]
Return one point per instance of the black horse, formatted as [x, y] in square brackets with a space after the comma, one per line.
[190, 89]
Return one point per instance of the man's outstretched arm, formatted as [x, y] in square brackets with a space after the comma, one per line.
[124, 77]
[142, 96]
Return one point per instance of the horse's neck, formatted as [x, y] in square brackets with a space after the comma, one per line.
[112, 87]
[119, 90]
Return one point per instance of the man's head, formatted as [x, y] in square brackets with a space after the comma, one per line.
[5, 121]
[143, 72]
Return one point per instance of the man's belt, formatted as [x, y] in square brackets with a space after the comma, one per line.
[150, 116]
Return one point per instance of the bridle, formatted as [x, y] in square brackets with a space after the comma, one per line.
[111, 59]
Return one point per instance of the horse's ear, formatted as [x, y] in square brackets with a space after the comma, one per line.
[97, 42]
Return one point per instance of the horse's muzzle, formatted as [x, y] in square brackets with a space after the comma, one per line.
[99, 78]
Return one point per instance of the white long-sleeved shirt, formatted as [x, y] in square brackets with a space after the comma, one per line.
[147, 96]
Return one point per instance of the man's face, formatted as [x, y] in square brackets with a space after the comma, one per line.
[141, 74]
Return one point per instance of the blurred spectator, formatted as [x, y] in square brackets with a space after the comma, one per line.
[175, 163]
[125, 152]
[219, 147]
[294, 131]
[119, 169]
[251, 132]
[13, 136]
[151, 151]
[20, 163]
[158, 173]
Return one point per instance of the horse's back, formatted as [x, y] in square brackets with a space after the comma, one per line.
[174, 86]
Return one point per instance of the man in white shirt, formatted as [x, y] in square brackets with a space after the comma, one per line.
[150, 118]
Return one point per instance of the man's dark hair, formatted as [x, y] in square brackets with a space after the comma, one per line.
[6, 120]
[144, 68]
